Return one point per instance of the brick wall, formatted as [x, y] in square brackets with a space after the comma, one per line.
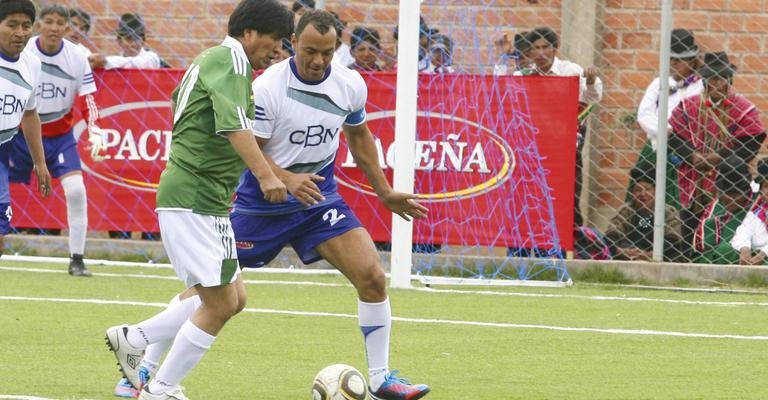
[628, 51]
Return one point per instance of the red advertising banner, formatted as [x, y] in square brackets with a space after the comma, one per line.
[495, 159]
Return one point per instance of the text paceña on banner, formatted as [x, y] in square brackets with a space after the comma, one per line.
[468, 160]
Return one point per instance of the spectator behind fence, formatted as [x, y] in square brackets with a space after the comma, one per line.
[706, 129]
[544, 44]
[65, 73]
[299, 7]
[630, 234]
[684, 82]
[366, 49]
[343, 54]
[751, 233]
[80, 27]
[425, 39]
[16, 20]
[441, 55]
[718, 222]
[131, 35]
[517, 51]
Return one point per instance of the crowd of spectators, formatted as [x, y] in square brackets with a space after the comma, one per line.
[714, 133]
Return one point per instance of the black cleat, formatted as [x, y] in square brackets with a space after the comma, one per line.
[77, 267]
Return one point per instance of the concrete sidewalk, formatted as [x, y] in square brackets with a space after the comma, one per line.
[647, 272]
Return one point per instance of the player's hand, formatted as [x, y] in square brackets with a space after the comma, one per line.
[97, 146]
[591, 74]
[745, 256]
[274, 190]
[43, 180]
[404, 205]
[97, 60]
[304, 188]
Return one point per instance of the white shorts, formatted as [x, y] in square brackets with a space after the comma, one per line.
[200, 247]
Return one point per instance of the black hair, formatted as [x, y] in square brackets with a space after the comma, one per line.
[8, 7]
[545, 33]
[55, 9]
[644, 172]
[267, 17]
[80, 13]
[299, 4]
[322, 20]
[340, 26]
[365, 34]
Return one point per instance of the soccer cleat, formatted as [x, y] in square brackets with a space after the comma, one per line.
[128, 357]
[144, 376]
[77, 266]
[176, 393]
[395, 388]
[125, 389]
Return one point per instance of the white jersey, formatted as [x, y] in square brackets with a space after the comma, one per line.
[146, 59]
[303, 120]
[19, 79]
[66, 75]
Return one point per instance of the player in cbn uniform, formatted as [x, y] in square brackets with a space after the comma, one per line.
[66, 83]
[302, 105]
[19, 78]
[212, 143]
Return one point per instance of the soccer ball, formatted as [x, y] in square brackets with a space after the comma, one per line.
[339, 382]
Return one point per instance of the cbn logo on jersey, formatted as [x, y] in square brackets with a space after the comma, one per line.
[12, 104]
[455, 145]
[314, 135]
[138, 132]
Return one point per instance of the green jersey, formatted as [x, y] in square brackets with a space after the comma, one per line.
[213, 98]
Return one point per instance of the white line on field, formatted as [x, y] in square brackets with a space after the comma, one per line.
[174, 278]
[426, 290]
[23, 397]
[644, 332]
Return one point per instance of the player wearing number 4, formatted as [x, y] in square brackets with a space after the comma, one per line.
[66, 79]
[294, 99]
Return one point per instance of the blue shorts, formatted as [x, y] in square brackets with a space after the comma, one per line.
[260, 238]
[5, 218]
[60, 154]
[5, 189]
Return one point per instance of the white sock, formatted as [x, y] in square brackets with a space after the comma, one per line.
[155, 351]
[77, 212]
[164, 325]
[376, 323]
[189, 347]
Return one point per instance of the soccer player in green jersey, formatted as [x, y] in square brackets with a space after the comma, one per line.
[212, 142]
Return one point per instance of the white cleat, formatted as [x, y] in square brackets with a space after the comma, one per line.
[176, 393]
[128, 357]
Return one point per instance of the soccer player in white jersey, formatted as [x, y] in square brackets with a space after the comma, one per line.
[66, 80]
[212, 142]
[303, 104]
[19, 78]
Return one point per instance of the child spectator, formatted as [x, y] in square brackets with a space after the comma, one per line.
[80, 26]
[366, 48]
[131, 36]
[722, 217]
[630, 235]
[752, 234]
[441, 55]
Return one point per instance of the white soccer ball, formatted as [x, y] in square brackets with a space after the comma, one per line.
[339, 382]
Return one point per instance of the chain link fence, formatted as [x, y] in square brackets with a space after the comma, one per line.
[621, 39]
